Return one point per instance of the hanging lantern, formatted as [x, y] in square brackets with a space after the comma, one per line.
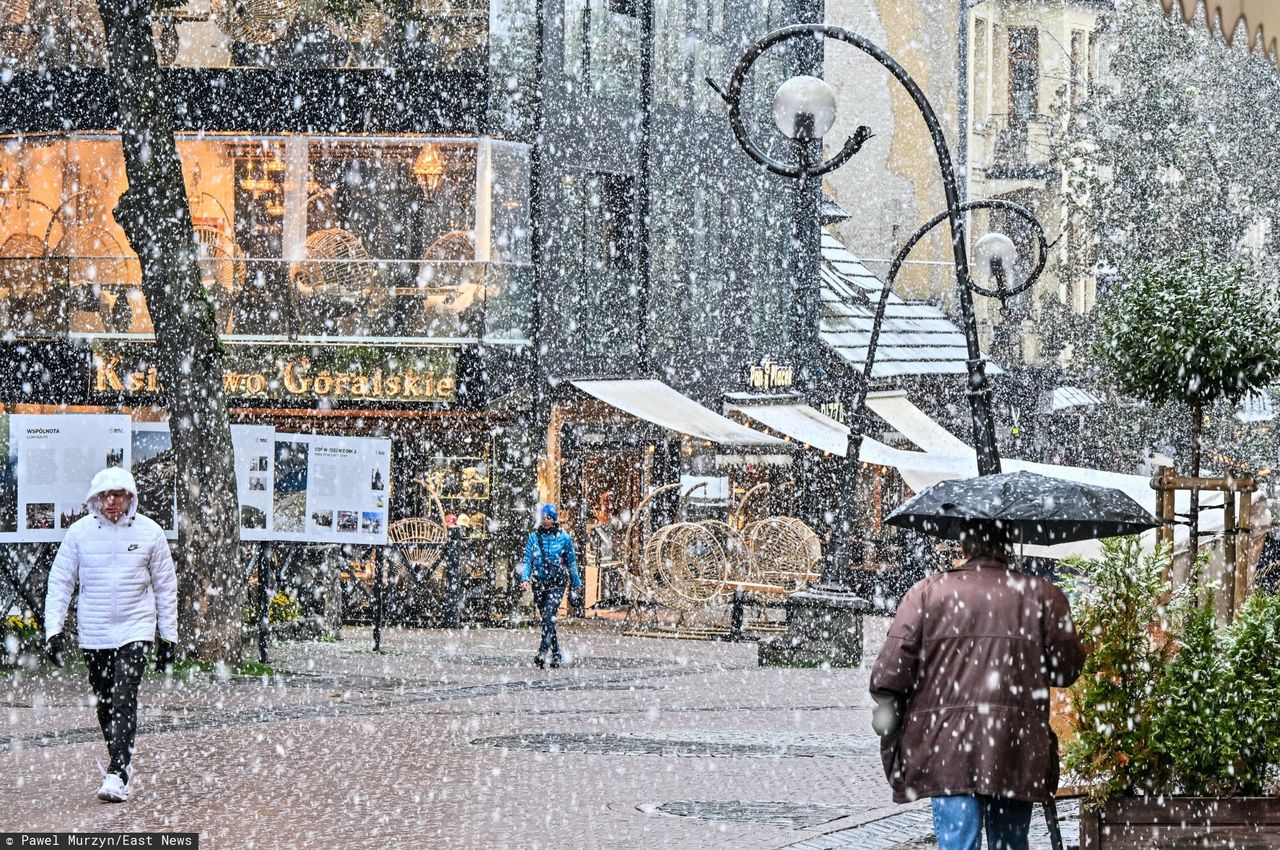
[428, 168]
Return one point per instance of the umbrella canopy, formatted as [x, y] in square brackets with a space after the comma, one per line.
[1022, 507]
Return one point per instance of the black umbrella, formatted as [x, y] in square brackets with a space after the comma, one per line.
[1022, 507]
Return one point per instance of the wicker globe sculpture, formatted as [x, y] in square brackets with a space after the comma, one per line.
[740, 566]
[221, 269]
[255, 21]
[336, 281]
[18, 35]
[27, 282]
[103, 276]
[785, 550]
[364, 25]
[686, 566]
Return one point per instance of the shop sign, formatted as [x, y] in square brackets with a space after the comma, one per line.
[768, 375]
[835, 410]
[422, 374]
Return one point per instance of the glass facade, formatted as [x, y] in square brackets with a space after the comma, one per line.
[602, 43]
[279, 34]
[423, 238]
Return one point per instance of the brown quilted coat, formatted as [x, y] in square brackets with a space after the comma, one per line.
[972, 653]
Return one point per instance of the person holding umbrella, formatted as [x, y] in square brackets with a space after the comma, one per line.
[962, 682]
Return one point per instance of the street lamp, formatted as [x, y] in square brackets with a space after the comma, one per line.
[806, 107]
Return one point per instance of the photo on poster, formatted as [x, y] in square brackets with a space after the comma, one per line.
[375, 480]
[322, 519]
[252, 518]
[8, 479]
[371, 522]
[257, 483]
[115, 456]
[155, 471]
[39, 515]
[290, 504]
[70, 513]
[348, 522]
[259, 463]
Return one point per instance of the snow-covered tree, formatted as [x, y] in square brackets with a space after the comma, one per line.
[1194, 329]
[1166, 154]
[155, 216]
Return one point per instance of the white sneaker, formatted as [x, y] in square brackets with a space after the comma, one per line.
[113, 789]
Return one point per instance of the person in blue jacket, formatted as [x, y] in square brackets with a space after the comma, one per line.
[549, 565]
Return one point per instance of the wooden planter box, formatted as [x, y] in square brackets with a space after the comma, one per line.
[1181, 823]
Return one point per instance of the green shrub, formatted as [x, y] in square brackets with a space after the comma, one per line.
[1170, 702]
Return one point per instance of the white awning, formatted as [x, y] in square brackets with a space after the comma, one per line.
[1256, 407]
[800, 422]
[913, 423]
[654, 401]
[1065, 398]
[947, 457]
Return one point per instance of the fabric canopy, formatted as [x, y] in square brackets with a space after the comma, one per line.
[800, 422]
[1261, 18]
[946, 457]
[654, 401]
[911, 422]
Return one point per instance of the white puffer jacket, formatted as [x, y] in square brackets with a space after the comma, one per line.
[124, 570]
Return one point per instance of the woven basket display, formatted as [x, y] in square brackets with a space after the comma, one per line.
[255, 21]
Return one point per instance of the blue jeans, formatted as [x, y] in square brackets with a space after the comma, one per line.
[547, 597]
[958, 822]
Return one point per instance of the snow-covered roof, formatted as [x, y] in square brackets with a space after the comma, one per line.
[916, 338]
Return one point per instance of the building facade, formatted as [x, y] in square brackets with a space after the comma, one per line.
[424, 225]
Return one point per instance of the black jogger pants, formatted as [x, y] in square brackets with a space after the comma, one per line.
[114, 675]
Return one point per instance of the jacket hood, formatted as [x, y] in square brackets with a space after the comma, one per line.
[112, 478]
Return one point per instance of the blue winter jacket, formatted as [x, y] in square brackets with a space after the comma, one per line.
[549, 558]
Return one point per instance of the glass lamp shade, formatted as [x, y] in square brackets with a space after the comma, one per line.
[804, 108]
[992, 248]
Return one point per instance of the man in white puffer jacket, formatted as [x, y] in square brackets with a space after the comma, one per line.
[122, 563]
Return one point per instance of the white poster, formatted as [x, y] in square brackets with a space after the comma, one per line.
[54, 458]
[254, 450]
[331, 489]
[155, 471]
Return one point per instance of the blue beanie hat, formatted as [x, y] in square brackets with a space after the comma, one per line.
[549, 512]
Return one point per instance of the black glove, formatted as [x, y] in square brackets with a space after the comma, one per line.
[56, 646]
[575, 598]
[166, 654]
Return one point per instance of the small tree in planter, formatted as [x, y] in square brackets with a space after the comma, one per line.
[1194, 329]
[1175, 721]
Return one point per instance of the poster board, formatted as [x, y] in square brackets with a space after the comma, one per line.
[155, 471]
[254, 447]
[50, 461]
[330, 489]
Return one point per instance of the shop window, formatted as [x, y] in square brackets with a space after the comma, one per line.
[298, 237]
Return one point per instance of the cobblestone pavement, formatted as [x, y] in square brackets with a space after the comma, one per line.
[453, 740]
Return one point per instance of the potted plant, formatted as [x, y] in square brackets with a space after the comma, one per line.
[19, 635]
[1175, 722]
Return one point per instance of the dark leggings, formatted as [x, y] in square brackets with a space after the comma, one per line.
[547, 597]
[114, 675]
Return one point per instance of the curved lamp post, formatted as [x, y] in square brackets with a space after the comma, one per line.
[804, 109]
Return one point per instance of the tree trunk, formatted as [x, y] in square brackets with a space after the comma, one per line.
[1197, 426]
[155, 217]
